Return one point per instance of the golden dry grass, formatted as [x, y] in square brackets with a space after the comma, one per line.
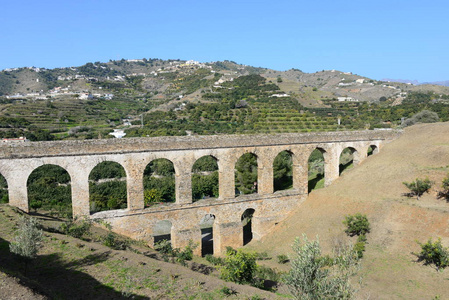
[375, 188]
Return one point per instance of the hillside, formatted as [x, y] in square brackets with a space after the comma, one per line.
[375, 188]
[174, 97]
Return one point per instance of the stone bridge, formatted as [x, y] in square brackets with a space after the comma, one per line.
[183, 220]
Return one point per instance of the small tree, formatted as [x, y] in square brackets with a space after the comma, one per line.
[28, 239]
[418, 187]
[313, 276]
[445, 192]
[356, 225]
[239, 266]
[434, 253]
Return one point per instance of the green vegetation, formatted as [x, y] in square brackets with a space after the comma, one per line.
[313, 276]
[159, 182]
[205, 178]
[239, 267]
[418, 187]
[27, 240]
[424, 116]
[246, 174]
[107, 190]
[282, 171]
[49, 190]
[357, 224]
[445, 186]
[433, 253]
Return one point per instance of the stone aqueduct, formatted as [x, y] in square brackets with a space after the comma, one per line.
[78, 158]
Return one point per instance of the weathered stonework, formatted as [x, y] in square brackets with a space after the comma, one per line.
[17, 161]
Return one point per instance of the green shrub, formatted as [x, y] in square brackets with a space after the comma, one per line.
[75, 228]
[312, 277]
[356, 225]
[239, 267]
[227, 291]
[282, 259]
[216, 261]
[434, 253]
[445, 192]
[418, 187]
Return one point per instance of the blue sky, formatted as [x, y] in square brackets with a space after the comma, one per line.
[378, 39]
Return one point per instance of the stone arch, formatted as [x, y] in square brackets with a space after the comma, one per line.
[347, 159]
[246, 175]
[4, 196]
[107, 187]
[372, 149]
[162, 231]
[159, 182]
[283, 171]
[49, 190]
[246, 219]
[207, 234]
[316, 169]
[205, 182]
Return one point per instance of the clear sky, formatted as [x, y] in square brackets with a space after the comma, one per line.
[399, 39]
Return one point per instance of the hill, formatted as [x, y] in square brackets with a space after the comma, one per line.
[375, 188]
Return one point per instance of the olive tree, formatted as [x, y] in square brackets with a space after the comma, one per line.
[314, 276]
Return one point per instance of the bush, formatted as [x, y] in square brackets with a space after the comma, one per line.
[76, 229]
[28, 238]
[356, 225]
[418, 187]
[313, 276]
[216, 261]
[434, 253]
[424, 116]
[239, 267]
[445, 192]
[283, 259]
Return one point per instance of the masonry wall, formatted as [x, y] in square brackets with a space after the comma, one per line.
[17, 161]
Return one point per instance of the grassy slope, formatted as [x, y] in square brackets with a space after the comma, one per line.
[69, 268]
[389, 268]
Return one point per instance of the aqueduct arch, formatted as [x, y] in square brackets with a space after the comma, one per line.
[17, 161]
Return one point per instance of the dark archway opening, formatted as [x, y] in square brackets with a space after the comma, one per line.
[247, 217]
[162, 231]
[205, 178]
[282, 171]
[246, 174]
[207, 234]
[315, 166]
[372, 150]
[107, 187]
[4, 196]
[346, 159]
[159, 182]
[49, 191]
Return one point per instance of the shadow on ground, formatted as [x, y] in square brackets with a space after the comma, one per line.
[50, 276]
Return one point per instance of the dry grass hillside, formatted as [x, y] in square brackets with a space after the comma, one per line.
[375, 188]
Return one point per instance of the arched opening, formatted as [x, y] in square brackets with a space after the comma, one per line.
[207, 234]
[4, 196]
[346, 159]
[159, 182]
[246, 174]
[315, 167]
[162, 231]
[49, 191]
[247, 217]
[372, 150]
[205, 178]
[282, 171]
[107, 187]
